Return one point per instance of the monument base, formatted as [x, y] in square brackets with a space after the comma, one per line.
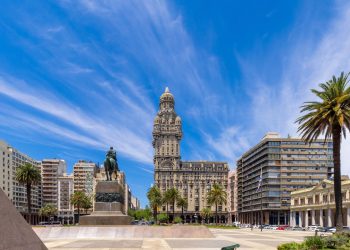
[108, 206]
[105, 220]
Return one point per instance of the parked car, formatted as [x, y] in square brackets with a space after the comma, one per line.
[334, 229]
[297, 228]
[236, 224]
[282, 227]
[313, 228]
[143, 223]
[135, 222]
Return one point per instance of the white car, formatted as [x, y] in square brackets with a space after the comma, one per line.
[333, 229]
[236, 224]
[313, 228]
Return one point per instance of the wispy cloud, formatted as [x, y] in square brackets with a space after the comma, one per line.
[308, 61]
[117, 73]
[102, 131]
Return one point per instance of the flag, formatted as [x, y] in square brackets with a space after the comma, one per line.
[260, 180]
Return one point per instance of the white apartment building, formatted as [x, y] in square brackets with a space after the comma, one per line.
[84, 173]
[10, 160]
[52, 169]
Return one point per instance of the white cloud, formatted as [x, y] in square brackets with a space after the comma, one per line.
[312, 60]
[102, 131]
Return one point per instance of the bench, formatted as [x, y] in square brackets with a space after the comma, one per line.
[232, 247]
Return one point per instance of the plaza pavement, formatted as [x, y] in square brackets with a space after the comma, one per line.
[247, 239]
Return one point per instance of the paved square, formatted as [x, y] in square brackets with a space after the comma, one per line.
[247, 239]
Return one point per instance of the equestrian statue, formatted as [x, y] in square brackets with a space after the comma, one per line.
[111, 164]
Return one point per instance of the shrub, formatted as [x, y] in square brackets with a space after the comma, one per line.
[337, 240]
[315, 243]
[177, 220]
[163, 218]
[290, 246]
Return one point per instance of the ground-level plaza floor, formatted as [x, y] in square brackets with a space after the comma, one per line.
[164, 237]
[270, 217]
[323, 217]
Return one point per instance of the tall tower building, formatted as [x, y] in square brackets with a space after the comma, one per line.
[193, 179]
[52, 169]
[167, 133]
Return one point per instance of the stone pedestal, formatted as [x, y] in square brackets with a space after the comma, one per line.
[108, 206]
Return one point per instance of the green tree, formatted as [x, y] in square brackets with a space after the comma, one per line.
[217, 195]
[87, 203]
[155, 200]
[28, 175]
[48, 210]
[182, 202]
[205, 213]
[330, 116]
[171, 196]
[77, 200]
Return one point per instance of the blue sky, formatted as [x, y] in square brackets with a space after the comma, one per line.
[79, 76]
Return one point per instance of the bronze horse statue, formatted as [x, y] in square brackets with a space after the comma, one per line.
[111, 164]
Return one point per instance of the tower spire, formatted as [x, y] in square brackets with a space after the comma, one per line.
[167, 90]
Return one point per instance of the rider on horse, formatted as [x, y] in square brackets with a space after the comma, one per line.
[111, 164]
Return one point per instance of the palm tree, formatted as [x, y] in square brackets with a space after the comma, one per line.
[155, 200]
[165, 200]
[28, 175]
[87, 204]
[205, 213]
[217, 195]
[48, 210]
[329, 117]
[182, 202]
[77, 199]
[171, 196]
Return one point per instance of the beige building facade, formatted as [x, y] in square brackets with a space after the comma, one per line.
[193, 179]
[232, 196]
[65, 190]
[84, 173]
[315, 205]
[10, 160]
[52, 169]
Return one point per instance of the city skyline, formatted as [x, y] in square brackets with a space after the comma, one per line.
[74, 66]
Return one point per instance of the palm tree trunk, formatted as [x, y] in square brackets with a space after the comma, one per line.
[173, 211]
[182, 213]
[29, 202]
[336, 133]
[167, 212]
[78, 213]
[156, 214]
[216, 213]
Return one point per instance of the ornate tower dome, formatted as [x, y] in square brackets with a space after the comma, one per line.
[167, 96]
